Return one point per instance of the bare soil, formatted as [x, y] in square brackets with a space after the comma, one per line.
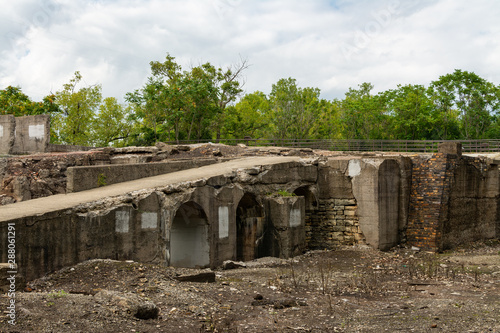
[350, 289]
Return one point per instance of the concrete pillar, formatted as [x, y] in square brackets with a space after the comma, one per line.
[7, 132]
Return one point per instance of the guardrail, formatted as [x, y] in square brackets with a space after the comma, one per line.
[417, 146]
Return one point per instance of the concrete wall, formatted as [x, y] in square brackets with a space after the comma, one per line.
[154, 226]
[454, 200]
[81, 178]
[32, 134]
[7, 133]
[360, 199]
[30, 177]
[341, 200]
[287, 226]
[472, 207]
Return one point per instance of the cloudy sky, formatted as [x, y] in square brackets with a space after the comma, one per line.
[329, 44]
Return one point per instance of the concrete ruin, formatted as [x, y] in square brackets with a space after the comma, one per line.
[22, 135]
[276, 202]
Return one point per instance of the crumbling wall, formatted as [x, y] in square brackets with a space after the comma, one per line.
[335, 221]
[472, 207]
[138, 226]
[287, 229]
[454, 199]
[7, 133]
[21, 135]
[360, 199]
[81, 178]
[36, 176]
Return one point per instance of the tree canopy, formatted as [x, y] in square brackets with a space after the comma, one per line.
[206, 102]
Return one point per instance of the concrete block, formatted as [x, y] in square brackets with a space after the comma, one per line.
[450, 147]
[32, 134]
[7, 130]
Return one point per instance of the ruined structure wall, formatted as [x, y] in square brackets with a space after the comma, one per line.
[334, 221]
[472, 212]
[139, 227]
[30, 177]
[454, 199]
[7, 133]
[20, 135]
[428, 191]
[81, 178]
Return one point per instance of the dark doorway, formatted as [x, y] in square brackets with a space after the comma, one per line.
[250, 229]
[189, 244]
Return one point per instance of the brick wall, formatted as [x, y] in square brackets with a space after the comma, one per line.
[449, 203]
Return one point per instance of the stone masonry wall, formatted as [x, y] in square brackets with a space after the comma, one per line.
[333, 223]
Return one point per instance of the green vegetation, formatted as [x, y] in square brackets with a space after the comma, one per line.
[58, 294]
[101, 180]
[206, 103]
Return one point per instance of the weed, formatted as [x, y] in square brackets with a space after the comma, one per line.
[101, 180]
[58, 294]
[281, 193]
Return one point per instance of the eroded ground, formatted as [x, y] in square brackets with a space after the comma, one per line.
[351, 289]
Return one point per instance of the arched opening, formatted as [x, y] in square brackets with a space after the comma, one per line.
[189, 244]
[311, 218]
[250, 229]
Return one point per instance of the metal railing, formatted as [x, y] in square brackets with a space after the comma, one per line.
[417, 146]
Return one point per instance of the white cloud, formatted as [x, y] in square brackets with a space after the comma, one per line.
[332, 45]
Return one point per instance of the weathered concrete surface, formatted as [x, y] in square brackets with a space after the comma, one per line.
[379, 185]
[42, 175]
[454, 200]
[233, 210]
[66, 201]
[150, 219]
[361, 198]
[32, 134]
[287, 228]
[84, 178]
[7, 133]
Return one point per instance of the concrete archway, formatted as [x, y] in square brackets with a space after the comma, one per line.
[189, 243]
[250, 229]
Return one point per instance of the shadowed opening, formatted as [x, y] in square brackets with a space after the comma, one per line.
[250, 229]
[189, 244]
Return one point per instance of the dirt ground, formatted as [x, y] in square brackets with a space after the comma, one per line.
[350, 289]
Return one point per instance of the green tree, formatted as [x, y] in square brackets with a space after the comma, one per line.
[412, 112]
[295, 110]
[363, 115]
[327, 125]
[78, 108]
[475, 99]
[184, 104]
[228, 84]
[112, 124]
[249, 117]
[14, 101]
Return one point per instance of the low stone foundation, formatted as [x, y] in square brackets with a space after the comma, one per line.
[333, 223]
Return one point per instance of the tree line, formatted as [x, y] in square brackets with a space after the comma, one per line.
[206, 102]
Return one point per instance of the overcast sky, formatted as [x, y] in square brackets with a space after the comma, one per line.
[329, 44]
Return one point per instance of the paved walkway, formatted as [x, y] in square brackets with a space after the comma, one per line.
[66, 201]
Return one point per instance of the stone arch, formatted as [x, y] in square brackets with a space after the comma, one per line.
[189, 237]
[250, 229]
[311, 219]
[389, 180]
[309, 196]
